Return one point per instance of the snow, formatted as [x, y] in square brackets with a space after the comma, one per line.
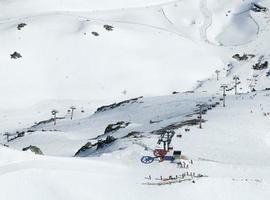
[156, 47]
[127, 49]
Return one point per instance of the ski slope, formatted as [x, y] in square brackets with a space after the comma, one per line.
[216, 150]
[89, 54]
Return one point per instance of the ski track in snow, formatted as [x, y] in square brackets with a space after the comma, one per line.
[99, 11]
[166, 17]
[72, 13]
[207, 20]
[257, 31]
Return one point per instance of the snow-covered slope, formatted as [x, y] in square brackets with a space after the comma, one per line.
[94, 53]
[59, 46]
[218, 151]
[73, 49]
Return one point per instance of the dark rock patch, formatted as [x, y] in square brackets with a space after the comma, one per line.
[34, 149]
[191, 122]
[133, 134]
[84, 148]
[155, 121]
[21, 25]
[46, 122]
[108, 27]
[115, 127]
[258, 8]
[100, 144]
[260, 66]
[115, 105]
[14, 136]
[243, 57]
[15, 55]
[95, 34]
[103, 143]
[189, 92]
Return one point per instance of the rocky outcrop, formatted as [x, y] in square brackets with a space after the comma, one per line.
[15, 55]
[190, 122]
[46, 122]
[243, 57]
[95, 33]
[258, 8]
[102, 143]
[115, 105]
[34, 149]
[21, 25]
[115, 127]
[134, 134]
[84, 148]
[108, 27]
[90, 148]
[260, 66]
[14, 136]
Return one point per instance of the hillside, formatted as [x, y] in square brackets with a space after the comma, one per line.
[163, 63]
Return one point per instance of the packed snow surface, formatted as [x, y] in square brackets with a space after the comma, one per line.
[87, 54]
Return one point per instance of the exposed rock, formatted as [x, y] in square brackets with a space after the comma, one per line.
[15, 55]
[13, 136]
[191, 122]
[115, 127]
[95, 33]
[244, 57]
[258, 8]
[206, 107]
[108, 27]
[21, 25]
[134, 134]
[46, 121]
[92, 148]
[21, 134]
[115, 105]
[260, 66]
[84, 148]
[101, 143]
[189, 92]
[154, 121]
[34, 149]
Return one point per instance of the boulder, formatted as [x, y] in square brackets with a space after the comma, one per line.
[95, 34]
[21, 25]
[15, 55]
[108, 27]
[34, 149]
